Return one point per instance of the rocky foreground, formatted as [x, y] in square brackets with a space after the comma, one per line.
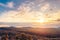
[29, 34]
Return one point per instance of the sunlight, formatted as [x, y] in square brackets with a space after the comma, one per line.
[41, 20]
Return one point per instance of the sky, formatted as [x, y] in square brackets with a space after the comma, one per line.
[42, 11]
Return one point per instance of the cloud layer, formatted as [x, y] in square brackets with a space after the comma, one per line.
[9, 5]
[30, 12]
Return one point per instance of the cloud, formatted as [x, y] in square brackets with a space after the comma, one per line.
[29, 12]
[9, 5]
[45, 7]
[1, 4]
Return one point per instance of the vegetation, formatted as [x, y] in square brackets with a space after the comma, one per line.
[10, 34]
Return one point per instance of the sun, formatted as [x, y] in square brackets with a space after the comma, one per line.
[42, 20]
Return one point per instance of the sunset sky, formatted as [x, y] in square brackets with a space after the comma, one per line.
[41, 11]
